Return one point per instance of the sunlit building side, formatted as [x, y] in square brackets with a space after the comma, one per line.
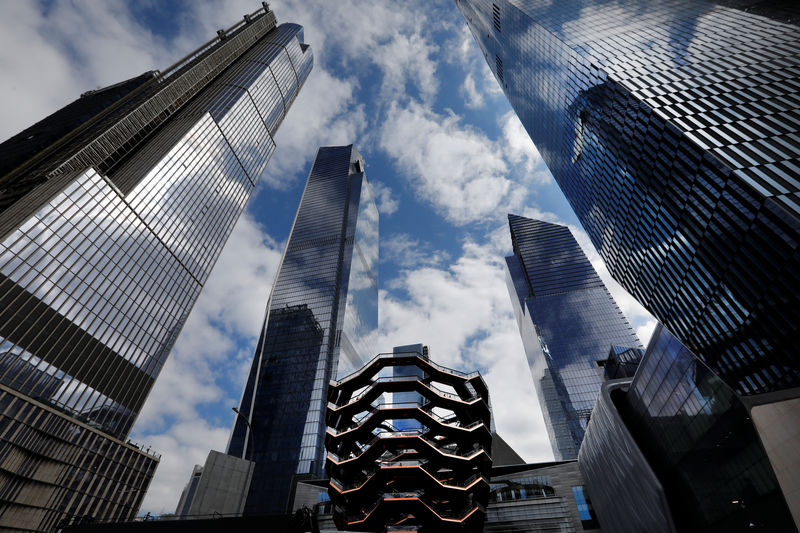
[568, 320]
[113, 211]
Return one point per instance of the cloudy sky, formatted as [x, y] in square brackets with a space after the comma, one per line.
[446, 155]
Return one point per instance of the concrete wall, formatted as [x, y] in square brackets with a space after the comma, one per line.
[778, 425]
[223, 485]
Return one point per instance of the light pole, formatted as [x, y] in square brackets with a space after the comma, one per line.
[250, 429]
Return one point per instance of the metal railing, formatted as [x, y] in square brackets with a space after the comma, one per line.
[461, 485]
[144, 450]
[450, 421]
[448, 516]
[441, 450]
[400, 379]
[380, 356]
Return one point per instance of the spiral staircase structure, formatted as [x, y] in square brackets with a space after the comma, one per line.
[429, 474]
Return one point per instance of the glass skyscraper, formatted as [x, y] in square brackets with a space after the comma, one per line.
[321, 323]
[672, 129]
[568, 321]
[113, 211]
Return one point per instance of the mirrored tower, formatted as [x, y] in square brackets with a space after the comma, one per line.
[321, 323]
[568, 322]
[113, 211]
[672, 129]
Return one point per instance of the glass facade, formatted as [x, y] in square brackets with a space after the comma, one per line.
[108, 235]
[622, 362]
[701, 443]
[321, 323]
[678, 446]
[672, 130]
[544, 497]
[585, 509]
[568, 322]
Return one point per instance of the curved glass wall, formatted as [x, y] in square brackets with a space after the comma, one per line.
[701, 442]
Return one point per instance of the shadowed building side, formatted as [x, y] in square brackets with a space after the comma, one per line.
[680, 448]
[321, 321]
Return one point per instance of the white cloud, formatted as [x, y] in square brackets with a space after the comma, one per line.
[408, 58]
[470, 92]
[345, 33]
[406, 251]
[387, 203]
[520, 150]
[479, 84]
[467, 51]
[490, 84]
[449, 164]
[463, 313]
[645, 331]
[345, 27]
[210, 359]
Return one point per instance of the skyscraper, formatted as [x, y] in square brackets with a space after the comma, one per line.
[568, 322]
[672, 129]
[321, 322]
[113, 211]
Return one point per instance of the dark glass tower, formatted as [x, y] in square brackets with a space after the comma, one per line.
[674, 448]
[113, 211]
[321, 323]
[672, 129]
[568, 321]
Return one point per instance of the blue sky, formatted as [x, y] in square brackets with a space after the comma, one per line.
[448, 159]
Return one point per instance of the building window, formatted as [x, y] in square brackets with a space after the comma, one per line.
[585, 509]
[499, 64]
[521, 488]
[496, 16]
